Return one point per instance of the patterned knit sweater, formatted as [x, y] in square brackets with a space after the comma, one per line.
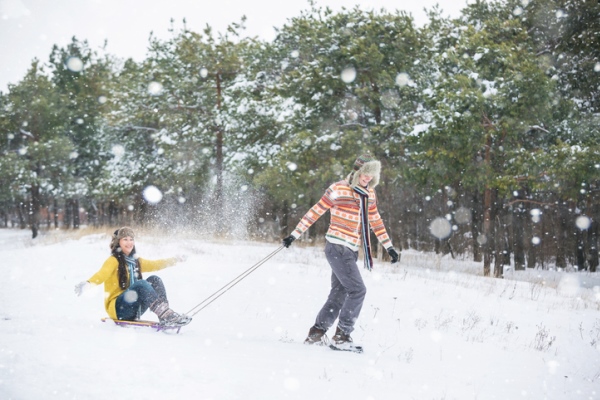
[343, 204]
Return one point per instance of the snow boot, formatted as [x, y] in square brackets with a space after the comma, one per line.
[341, 337]
[168, 317]
[317, 336]
[171, 318]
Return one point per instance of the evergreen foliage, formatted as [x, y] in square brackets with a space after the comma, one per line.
[489, 121]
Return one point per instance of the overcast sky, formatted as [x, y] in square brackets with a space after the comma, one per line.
[29, 28]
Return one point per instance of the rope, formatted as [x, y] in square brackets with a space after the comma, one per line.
[204, 303]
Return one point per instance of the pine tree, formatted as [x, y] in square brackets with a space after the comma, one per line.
[487, 96]
[37, 156]
[82, 80]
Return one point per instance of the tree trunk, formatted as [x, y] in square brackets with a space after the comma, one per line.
[579, 250]
[34, 211]
[487, 231]
[55, 212]
[475, 223]
[92, 215]
[530, 233]
[67, 217]
[142, 212]
[506, 226]
[285, 217]
[76, 221]
[488, 235]
[21, 214]
[500, 245]
[112, 211]
[102, 214]
[488, 220]
[518, 238]
[218, 201]
[592, 236]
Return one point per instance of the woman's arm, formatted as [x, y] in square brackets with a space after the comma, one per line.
[106, 271]
[155, 265]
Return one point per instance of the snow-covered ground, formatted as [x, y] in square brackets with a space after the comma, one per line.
[432, 328]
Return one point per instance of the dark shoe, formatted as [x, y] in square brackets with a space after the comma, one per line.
[340, 337]
[316, 336]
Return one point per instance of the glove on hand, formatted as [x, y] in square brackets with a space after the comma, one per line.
[82, 287]
[181, 258]
[393, 255]
[287, 242]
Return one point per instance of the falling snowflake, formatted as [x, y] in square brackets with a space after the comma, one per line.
[348, 74]
[152, 194]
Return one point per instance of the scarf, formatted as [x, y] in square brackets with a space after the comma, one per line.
[363, 194]
[131, 263]
[129, 270]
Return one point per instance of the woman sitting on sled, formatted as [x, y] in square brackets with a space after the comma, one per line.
[127, 294]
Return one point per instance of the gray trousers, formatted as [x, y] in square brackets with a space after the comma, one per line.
[347, 289]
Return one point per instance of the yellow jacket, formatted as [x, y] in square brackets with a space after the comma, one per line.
[109, 276]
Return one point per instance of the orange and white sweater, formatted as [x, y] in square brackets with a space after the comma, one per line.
[343, 204]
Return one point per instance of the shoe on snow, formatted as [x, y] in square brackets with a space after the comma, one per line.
[316, 336]
[346, 347]
[342, 341]
[341, 338]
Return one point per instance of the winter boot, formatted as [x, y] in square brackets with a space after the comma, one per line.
[340, 337]
[168, 317]
[317, 336]
[171, 318]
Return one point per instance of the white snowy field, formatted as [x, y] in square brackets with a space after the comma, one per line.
[432, 328]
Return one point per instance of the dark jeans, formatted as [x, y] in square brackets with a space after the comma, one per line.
[347, 289]
[134, 301]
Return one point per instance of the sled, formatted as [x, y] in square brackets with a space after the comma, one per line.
[142, 324]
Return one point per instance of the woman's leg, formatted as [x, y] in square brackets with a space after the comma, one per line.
[347, 290]
[134, 301]
[142, 295]
[158, 286]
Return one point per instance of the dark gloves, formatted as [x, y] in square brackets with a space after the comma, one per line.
[287, 242]
[393, 255]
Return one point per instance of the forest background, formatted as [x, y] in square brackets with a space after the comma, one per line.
[487, 127]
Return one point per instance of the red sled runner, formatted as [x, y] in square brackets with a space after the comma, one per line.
[143, 324]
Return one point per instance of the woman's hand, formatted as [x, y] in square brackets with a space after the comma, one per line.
[395, 257]
[82, 287]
